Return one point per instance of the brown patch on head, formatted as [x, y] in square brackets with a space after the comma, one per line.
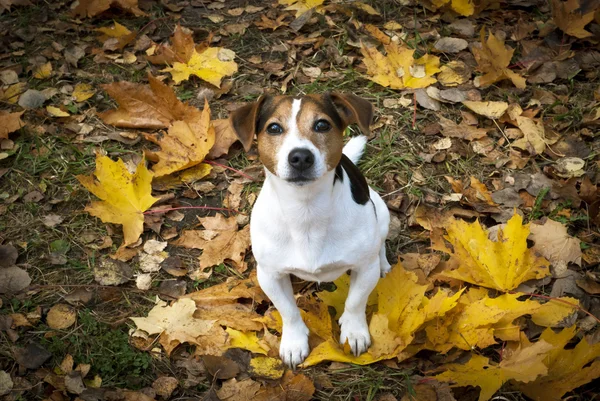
[278, 110]
[320, 107]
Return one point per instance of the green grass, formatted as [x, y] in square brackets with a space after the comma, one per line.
[106, 349]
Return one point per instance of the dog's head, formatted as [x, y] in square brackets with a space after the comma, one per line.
[300, 138]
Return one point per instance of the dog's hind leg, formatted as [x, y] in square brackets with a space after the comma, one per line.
[385, 266]
[294, 337]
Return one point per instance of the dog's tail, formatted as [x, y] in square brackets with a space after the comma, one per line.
[355, 148]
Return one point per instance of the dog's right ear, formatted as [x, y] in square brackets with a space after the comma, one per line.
[244, 121]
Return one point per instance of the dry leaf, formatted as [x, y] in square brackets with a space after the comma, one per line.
[186, 143]
[534, 138]
[91, 8]
[567, 368]
[220, 241]
[552, 241]
[175, 322]
[142, 106]
[524, 365]
[83, 92]
[266, 367]
[266, 23]
[568, 17]
[301, 6]
[493, 59]
[10, 122]
[454, 73]
[491, 110]
[462, 7]
[61, 317]
[224, 137]
[124, 196]
[211, 65]
[462, 130]
[502, 264]
[398, 69]
[248, 341]
[43, 71]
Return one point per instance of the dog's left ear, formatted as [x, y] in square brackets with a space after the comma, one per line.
[354, 110]
[244, 121]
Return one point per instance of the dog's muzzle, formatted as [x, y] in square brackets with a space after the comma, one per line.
[301, 161]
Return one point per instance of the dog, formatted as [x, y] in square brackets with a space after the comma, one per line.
[315, 217]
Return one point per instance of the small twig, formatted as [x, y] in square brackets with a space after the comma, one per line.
[42, 286]
[221, 209]
[229, 168]
[414, 119]
[149, 23]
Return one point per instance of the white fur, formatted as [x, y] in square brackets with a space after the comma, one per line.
[355, 148]
[318, 232]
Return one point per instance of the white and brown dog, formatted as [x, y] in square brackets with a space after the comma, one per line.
[315, 217]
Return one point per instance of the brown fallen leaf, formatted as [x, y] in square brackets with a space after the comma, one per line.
[230, 292]
[569, 19]
[266, 23]
[552, 241]
[10, 122]
[186, 143]
[293, 387]
[462, 130]
[224, 137]
[142, 106]
[61, 317]
[91, 8]
[220, 241]
[493, 59]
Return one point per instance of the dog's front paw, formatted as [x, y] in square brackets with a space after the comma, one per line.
[356, 332]
[294, 349]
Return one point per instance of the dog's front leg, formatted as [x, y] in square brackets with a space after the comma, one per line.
[354, 319]
[294, 337]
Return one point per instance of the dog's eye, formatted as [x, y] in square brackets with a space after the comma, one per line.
[274, 129]
[322, 126]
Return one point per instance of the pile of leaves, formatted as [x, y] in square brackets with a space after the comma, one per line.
[484, 149]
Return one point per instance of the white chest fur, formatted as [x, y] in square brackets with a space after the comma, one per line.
[316, 232]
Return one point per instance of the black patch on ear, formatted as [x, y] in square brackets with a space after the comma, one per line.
[358, 183]
[266, 111]
[328, 107]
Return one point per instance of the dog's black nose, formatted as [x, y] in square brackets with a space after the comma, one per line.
[301, 159]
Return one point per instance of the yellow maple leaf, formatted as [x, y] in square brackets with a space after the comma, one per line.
[555, 311]
[83, 92]
[125, 196]
[465, 8]
[174, 322]
[43, 71]
[402, 310]
[501, 264]
[266, 367]
[211, 65]
[248, 341]
[493, 59]
[337, 298]
[523, 364]
[115, 31]
[567, 368]
[301, 6]
[56, 111]
[185, 145]
[568, 18]
[398, 69]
